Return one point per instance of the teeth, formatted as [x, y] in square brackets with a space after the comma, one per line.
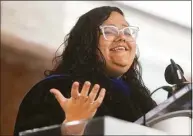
[119, 48]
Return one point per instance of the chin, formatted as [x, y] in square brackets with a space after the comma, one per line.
[117, 72]
[123, 68]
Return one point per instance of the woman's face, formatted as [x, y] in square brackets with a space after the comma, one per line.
[119, 53]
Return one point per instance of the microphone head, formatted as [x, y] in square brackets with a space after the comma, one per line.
[169, 74]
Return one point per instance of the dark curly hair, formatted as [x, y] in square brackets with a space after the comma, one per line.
[80, 55]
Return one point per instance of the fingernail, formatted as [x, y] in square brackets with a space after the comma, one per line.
[87, 83]
[97, 86]
[51, 91]
[103, 90]
[75, 85]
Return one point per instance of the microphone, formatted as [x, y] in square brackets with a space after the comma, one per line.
[174, 74]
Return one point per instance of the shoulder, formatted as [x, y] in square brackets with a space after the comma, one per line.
[41, 89]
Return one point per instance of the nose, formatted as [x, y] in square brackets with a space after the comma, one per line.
[121, 36]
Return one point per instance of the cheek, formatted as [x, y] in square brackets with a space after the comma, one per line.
[133, 48]
[104, 46]
[101, 42]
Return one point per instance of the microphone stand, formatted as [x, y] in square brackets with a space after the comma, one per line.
[169, 89]
[176, 87]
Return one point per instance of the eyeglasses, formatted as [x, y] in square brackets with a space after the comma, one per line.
[110, 32]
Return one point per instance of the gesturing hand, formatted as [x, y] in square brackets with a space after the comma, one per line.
[80, 105]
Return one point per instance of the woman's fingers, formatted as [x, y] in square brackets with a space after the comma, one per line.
[60, 98]
[83, 98]
[94, 92]
[84, 92]
[85, 89]
[99, 100]
[74, 90]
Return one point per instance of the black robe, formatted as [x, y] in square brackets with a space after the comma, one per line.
[40, 108]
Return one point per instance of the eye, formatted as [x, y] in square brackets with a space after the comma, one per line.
[110, 31]
[128, 32]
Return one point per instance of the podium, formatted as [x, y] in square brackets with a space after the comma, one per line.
[114, 126]
[99, 126]
[173, 116]
[181, 100]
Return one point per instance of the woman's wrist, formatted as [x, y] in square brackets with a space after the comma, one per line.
[72, 129]
[65, 121]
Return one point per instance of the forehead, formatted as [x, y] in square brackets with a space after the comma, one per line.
[116, 19]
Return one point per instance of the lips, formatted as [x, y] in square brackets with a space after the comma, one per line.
[119, 48]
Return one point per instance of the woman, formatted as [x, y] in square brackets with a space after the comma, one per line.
[98, 74]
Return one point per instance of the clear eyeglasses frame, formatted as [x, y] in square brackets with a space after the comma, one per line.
[111, 32]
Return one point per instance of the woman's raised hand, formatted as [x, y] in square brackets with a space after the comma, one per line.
[81, 105]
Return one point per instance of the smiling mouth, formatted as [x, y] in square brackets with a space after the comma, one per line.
[119, 48]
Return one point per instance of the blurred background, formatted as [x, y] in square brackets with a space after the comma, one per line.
[32, 31]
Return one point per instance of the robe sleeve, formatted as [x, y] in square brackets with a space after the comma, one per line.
[39, 108]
